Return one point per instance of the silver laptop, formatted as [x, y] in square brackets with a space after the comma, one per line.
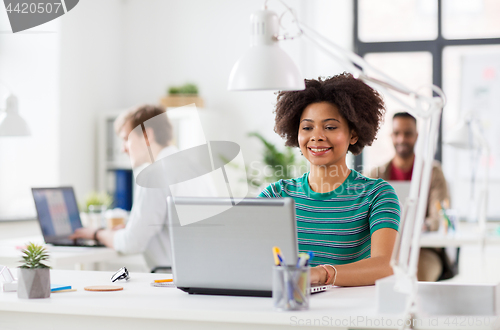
[402, 189]
[230, 252]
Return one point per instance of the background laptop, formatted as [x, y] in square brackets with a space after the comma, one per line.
[402, 189]
[230, 252]
[58, 215]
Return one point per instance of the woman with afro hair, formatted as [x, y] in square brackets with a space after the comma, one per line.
[349, 221]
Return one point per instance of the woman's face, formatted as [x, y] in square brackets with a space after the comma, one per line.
[324, 135]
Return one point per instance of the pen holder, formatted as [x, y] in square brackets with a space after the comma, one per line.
[291, 287]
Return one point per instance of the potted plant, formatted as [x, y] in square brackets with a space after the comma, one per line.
[97, 199]
[96, 205]
[34, 275]
[179, 96]
[283, 165]
[275, 165]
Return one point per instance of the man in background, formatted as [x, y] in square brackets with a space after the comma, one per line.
[146, 229]
[400, 168]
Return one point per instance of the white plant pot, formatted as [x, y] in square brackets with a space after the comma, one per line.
[33, 283]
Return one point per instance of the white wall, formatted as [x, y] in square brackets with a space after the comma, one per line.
[91, 82]
[333, 20]
[29, 67]
[64, 72]
[139, 48]
[108, 55]
[173, 42]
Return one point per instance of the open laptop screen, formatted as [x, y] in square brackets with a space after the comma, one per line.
[57, 210]
[231, 244]
[402, 189]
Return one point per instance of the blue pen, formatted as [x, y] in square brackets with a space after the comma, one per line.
[298, 284]
[289, 282]
[302, 261]
[299, 260]
[282, 261]
[311, 255]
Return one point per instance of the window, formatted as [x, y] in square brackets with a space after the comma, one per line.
[422, 41]
[397, 20]
[471, 80]
[412, 68]
[374, 37]
[464, 19]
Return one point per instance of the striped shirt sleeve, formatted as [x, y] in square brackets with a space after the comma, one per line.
[272, 191]
[385, 209]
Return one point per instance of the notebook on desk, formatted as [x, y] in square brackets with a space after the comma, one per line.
[58, 216]
[230, 252]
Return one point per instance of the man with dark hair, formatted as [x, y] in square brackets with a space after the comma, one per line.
[400, 168]
[147, 136]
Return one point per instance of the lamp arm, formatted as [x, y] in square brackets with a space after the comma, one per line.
[424, 183]
[483, 206]
[290, 10]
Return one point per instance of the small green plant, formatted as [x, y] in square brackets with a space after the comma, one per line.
[96, 198]
[184, 89]
[173, 90]
[280, 165]
[33, 256]
[284, 165]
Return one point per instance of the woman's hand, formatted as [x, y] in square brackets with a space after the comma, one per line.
[104, 236]
[118, 227]
[318, 275]
[83, 233]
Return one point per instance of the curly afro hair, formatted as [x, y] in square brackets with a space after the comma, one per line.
[358, 103]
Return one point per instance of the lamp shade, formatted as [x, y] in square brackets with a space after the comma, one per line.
[11, 123]
[461, 136]
[265, 66]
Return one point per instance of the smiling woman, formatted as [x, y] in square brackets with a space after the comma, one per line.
[349, 221]
[324, 138]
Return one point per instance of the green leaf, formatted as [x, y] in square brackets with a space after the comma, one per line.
[184, 89]
[173, 90]
[282, 163]
[33, 255]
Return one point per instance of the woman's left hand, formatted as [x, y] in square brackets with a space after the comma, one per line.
[318, 275]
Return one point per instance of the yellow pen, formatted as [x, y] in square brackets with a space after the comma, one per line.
[165, 280]
[276, 252]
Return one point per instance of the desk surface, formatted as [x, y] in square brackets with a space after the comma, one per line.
[467, 234]
[60, 256]
[141, 305]
[139, 299]
[437, 239]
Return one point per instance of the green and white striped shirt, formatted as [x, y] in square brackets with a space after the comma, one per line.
[337, 225]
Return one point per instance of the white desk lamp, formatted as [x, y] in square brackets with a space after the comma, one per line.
[468, 135]
[11, 123]
[265, 67]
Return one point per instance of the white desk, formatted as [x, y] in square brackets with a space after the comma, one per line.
[60, 256]
[467, 234]
[437, 239]
[141, 306]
